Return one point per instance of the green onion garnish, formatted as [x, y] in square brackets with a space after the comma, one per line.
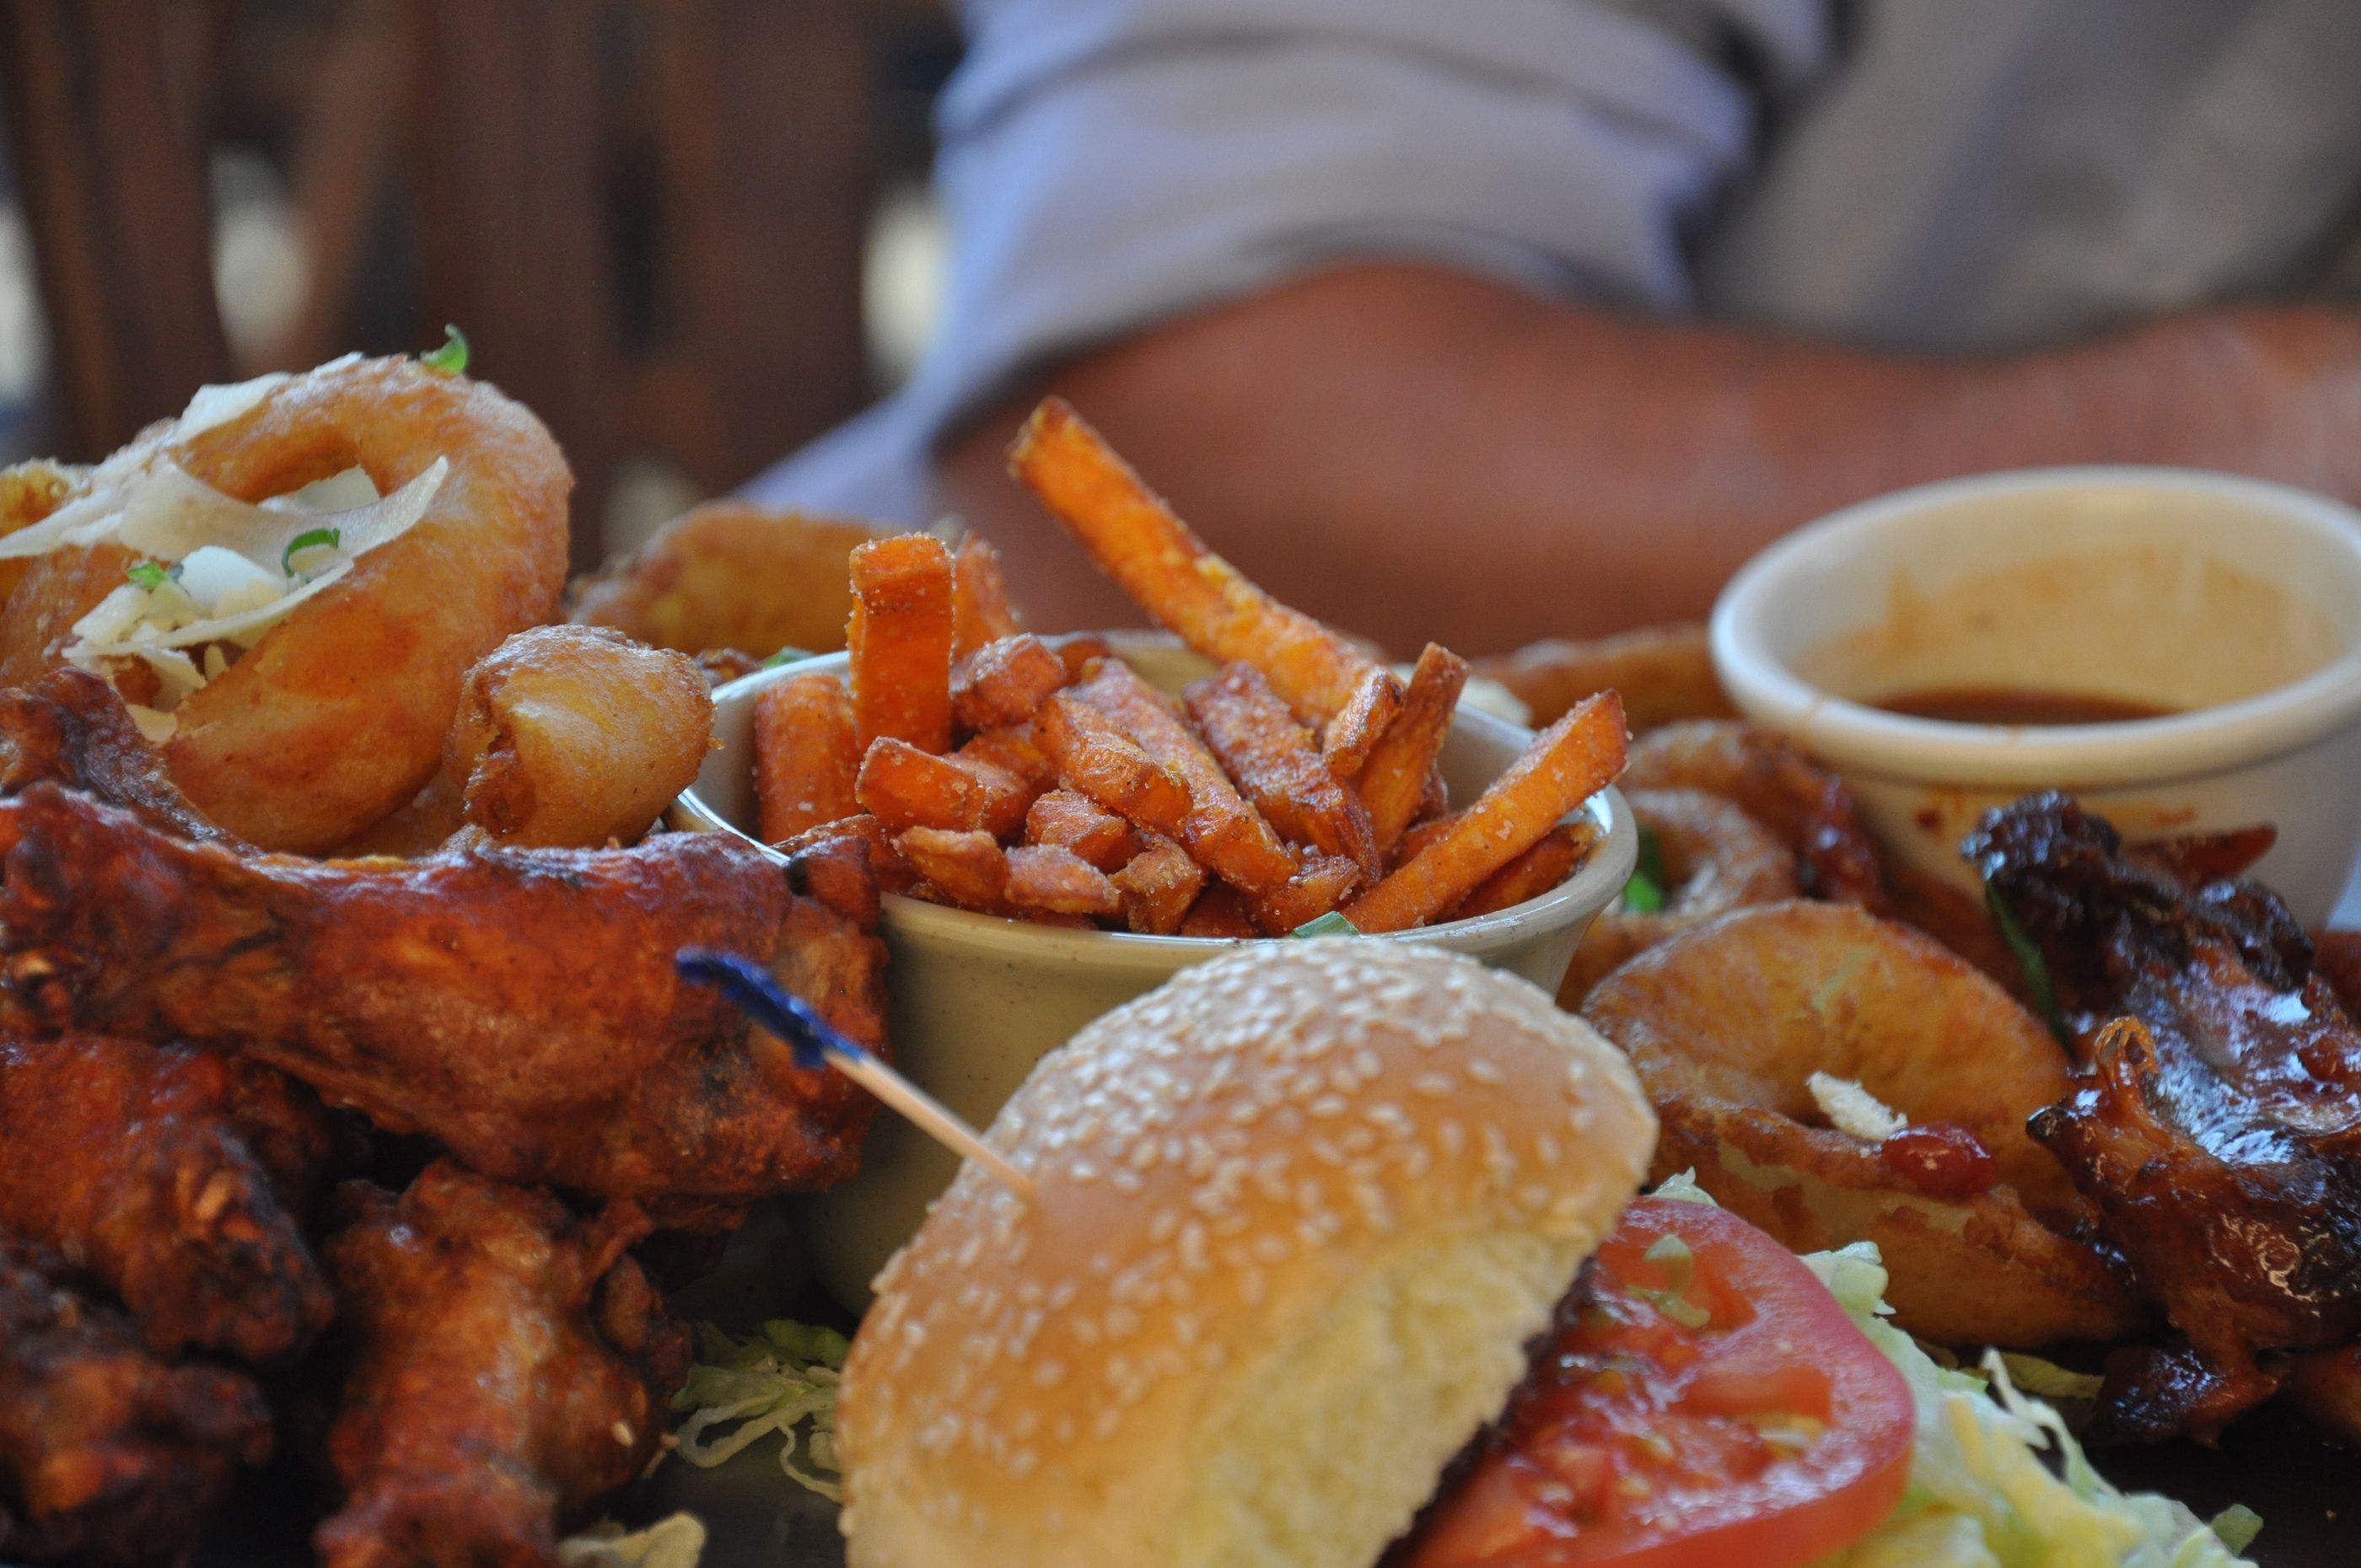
[2029, 958]
[786, 656]
[451, 359]
[1644, 892]
[149, 575]
[310, 538]
[1332, 924]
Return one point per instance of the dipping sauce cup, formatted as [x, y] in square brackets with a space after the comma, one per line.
[2231, 604]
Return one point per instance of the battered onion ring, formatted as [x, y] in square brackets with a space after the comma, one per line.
[338, 715]
[1727, 1023]
[1663, 674]
[1717, 858]
[28, 492]
[571, 736]
[1768, 774]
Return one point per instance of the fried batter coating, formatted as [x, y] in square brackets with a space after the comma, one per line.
[1769, 776]
[107, 1456]
[571, 736]
[1727, 1023]
[337, 715]
[1663, 674]
[28, 492]
[510, 1366]
[731, 574]
[130, 1159]
[2218, 1129]
[519, 1005]
[70, 727]
[1716, 857]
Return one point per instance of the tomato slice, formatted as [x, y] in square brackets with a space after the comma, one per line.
[1711, 1405]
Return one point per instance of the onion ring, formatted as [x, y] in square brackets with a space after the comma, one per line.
[337, 715]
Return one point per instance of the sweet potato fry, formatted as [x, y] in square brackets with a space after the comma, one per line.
[900, 641]
[1565, 765]
[1153, 555]
[1229, 837]
[1348, 738]
[1423, 834]
[1005, 681]
[1313, 892]
[966, 866]
[1273, 759]
[804, 756]
[1533, 874]
[893, 873]
[904, 788]
[1396, 775]
[1219, 912]
[1096, 758]
[1159, 886]
[1069, 821]
[1011, 749]
[981, 612]
[1043, 876]
[1078, 649]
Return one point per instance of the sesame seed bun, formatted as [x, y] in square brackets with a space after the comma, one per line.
[1296, 1215]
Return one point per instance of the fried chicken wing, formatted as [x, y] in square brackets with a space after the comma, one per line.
[510, 1366]
[129, 1160]
[107, 1456]
[71, 728]
[519, 1005]
[2218, 1123]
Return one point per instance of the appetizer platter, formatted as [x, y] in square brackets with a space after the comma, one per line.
[1530, 1111]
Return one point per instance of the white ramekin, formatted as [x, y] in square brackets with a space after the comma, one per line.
[2231, 599]
[974, 1001]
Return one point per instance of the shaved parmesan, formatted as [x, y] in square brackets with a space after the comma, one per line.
[1849, 1108]
[214, 406]
[157, 725]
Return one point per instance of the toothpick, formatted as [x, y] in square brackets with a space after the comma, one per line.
[813, 1041]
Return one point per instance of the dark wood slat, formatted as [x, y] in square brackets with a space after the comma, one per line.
[112, 170]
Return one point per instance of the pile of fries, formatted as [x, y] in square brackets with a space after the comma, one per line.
[1043, 779]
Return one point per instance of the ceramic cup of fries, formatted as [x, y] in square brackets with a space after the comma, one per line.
[1062, 823]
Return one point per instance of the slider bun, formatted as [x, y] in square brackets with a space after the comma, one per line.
[1296, 1215]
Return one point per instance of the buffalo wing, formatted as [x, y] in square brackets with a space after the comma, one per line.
[518, 1005]
[511, 1364]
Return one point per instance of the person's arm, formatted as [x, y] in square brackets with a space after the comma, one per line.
[1414, 453]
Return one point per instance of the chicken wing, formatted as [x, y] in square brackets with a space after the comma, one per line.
[71, 728]
[2218, 1124]
[128, 1160]
[518, 1005]
[107, 1456]
[510, 1366]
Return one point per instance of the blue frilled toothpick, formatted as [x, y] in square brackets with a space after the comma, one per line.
[814, 1042]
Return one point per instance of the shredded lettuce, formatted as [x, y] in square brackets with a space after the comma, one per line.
[775, 1382]
[674, 1542]
[1980, 1494]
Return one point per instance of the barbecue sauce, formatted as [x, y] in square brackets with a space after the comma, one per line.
[2017, 706]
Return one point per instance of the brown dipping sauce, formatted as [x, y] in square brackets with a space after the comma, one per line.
[2016, 705]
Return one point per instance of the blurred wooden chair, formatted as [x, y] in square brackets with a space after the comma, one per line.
[648, 215]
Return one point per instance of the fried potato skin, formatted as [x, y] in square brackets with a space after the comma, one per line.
[733, 575]
[569, 737]
[1726, 1023]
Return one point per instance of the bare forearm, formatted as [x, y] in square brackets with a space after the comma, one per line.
[1412, 453]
